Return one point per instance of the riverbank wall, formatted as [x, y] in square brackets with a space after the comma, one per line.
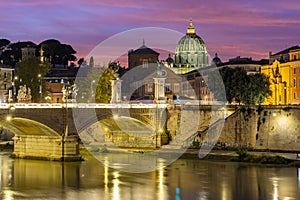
[262, 128]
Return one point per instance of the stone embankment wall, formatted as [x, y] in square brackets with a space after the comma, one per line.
[263, 128]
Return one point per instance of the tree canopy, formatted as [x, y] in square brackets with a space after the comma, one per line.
[4, 43]
[56, 52]
[13, 53]
[94, 84]
[240, 87]
[103, 90]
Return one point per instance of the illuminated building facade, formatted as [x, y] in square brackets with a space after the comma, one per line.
[284, 73]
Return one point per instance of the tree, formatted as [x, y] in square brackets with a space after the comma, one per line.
[86, 82]
[103, 91]
[216, 85]
[239, 87]
[80, 62]
[30, 73]
[13, 53]
[94, 84]
[17, 49]
[239, 81]
[91, 63]
[56, 52]
[257, 89]
[3, 44]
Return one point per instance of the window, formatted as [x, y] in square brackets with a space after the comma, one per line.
[4, 86]
[295, 70]
[168, 87]
[149, 88]
[294, 82]
[295, 95]
[176, 88]
[145, 63]
[5, 75]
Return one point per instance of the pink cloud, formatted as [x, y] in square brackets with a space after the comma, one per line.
[233, 26]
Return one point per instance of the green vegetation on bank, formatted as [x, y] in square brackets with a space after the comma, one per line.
[6, 146]
[244, 156]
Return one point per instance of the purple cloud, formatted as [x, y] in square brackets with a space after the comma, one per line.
[232, 27]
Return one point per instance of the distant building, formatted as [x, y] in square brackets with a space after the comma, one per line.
[54, 94]
[55, 80]
[286, 55]
[138, 78]
[216, 60]
[249, 65]
[7, 90]
[27, 53]
[194, 85]
[190, 52]
[284, 73]
[142, 57]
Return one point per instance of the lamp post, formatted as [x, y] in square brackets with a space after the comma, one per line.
[40, 86]
[92, 91]
[284, 88]
[15, 79]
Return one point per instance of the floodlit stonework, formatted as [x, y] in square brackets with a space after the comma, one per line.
[46, 147]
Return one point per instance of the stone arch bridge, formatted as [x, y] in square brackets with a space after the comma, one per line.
[71, 119]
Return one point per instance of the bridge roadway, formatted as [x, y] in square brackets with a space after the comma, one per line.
[80, 105]
[57, 116]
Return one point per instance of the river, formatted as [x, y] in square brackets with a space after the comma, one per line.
[183, 179]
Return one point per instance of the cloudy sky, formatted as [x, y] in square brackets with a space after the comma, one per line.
[231, 28]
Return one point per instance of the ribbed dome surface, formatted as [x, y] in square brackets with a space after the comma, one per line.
[190, 42]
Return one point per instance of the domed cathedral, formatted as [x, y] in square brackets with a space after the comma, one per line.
[190, 52]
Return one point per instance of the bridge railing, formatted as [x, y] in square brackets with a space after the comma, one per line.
[79, 105]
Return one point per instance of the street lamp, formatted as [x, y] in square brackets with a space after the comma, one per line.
[92, 91]
[284, 94]
[40, 87]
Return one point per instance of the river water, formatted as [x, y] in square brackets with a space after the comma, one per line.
[183, 179]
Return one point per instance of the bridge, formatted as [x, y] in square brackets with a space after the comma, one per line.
[122, 125]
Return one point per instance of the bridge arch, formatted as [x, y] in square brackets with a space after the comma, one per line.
[23, 126]
[120, 131]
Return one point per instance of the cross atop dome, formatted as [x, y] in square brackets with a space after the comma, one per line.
[190, 29]
[143, 46]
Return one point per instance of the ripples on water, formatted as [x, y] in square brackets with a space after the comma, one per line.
[184, 179]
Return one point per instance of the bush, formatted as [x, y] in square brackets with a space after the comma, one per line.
[243, 153]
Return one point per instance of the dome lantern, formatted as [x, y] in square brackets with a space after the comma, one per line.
[190, 30]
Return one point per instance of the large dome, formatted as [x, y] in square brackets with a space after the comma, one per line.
[190, 43]
[191, 51]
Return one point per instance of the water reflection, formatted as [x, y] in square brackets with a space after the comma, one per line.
[184, 179]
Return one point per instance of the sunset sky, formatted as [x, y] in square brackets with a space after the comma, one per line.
[231, 28]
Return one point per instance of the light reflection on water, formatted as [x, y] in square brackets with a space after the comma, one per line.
[184, 179]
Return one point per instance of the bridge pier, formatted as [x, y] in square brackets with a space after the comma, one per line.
[46, 147]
